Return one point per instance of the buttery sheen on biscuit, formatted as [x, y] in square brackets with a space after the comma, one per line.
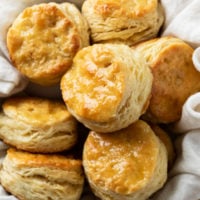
[43, 40]
[127, 164]
[37, 124]
[42, 177]
[174, 77]
[107, 88]
[123, 21]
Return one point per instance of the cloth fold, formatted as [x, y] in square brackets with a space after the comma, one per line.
[11, 81]
[182, 19]
[196, 58]
[190, 119]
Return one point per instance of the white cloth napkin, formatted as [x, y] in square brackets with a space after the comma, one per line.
[182, 20]
[11, 81]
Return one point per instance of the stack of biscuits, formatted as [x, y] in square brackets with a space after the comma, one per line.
[119, 81]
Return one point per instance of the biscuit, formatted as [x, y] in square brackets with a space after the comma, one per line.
[174, 77]
[107, 88]
[167, 141]
[42, 177]
[127, 164]
[123, 21]
[43, 40]
[37, 124]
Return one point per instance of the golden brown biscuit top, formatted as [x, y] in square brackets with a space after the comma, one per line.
[175, 77]
[125, 8]
[42, 41]
[95, 85]
[25, 159]
[36, 111]
[123, 161]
